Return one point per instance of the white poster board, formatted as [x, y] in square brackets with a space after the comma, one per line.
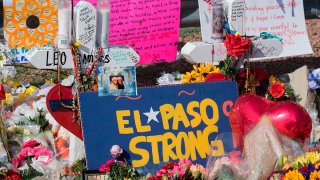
[278, 17]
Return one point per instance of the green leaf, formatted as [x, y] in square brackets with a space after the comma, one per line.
[29, 174]
[222, 64]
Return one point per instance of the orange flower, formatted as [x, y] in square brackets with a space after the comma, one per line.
[277, 89]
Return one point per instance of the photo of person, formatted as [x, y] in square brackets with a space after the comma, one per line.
[117, 81]
[113, 83]
[120, 82]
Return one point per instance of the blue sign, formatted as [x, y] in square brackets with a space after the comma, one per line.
[160, 125]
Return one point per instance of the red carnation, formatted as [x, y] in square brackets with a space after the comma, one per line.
[236, 45]
[13, 175]
[277, 89]
[169, 166]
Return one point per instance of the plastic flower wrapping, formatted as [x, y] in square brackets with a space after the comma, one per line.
[33, 144]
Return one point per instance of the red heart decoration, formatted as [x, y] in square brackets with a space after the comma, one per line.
[289, 118]
[64, 116]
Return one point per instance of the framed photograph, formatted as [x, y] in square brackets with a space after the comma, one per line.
[117, 81]
[94, 175]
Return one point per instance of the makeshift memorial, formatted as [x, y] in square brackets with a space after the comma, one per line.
[132, 120]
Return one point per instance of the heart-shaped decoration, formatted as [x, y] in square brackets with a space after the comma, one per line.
[289, 118]
[63, 115]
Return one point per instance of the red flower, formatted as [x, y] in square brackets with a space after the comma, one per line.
[277, 89]
[106, 167]
[169, 166]
[30, 143]
[236, 45]
[15, 162]
[12, 175]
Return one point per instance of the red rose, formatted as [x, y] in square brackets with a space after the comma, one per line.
[277, 89]
[236, 45]
[106, 166]
[12, 175]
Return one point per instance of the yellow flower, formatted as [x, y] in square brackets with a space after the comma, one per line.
[315, 175]
[308, 157]
[31, 23]
[198, 74]
[49, 81]
[293, 175]
[5, 101]
[30, 90]
[272, 78]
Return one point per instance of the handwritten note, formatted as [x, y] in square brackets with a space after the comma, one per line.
[86, 22]
[237, 15]
[278, 17]
[93, 2]
[150, 27]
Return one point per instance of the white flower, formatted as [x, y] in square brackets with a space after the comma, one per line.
[51, 120]
[18, 119]
[40, 105]
[21, 109]
[31, 113]
[20, 90]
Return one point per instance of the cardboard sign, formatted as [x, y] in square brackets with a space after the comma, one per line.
[85, 15]
[47, 57]
[282, 18]
[26, 26]
[201, 52]
[151, 28]
[159, 125]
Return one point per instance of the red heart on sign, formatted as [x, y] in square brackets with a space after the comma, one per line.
[63, 115]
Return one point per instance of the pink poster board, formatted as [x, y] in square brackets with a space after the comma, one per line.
[150, 27]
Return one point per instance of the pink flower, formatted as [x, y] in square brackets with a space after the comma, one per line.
[24, 153]
[30, 143]
[161, 172]
[116, 151]
[184, 163]
[15, 162]
[42, 154]
[197, 167]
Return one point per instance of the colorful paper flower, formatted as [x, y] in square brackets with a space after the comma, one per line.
[31, 23]
[277, 89]
[236, 45]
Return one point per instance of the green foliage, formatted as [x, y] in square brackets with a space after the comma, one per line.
[121, 171]
[29, 174]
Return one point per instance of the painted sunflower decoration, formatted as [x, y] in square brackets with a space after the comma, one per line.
[30, 23]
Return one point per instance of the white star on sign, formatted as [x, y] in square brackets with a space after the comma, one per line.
[152, 115]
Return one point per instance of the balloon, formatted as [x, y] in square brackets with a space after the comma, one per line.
[214, 77]
[245, 113]
[289, 118]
